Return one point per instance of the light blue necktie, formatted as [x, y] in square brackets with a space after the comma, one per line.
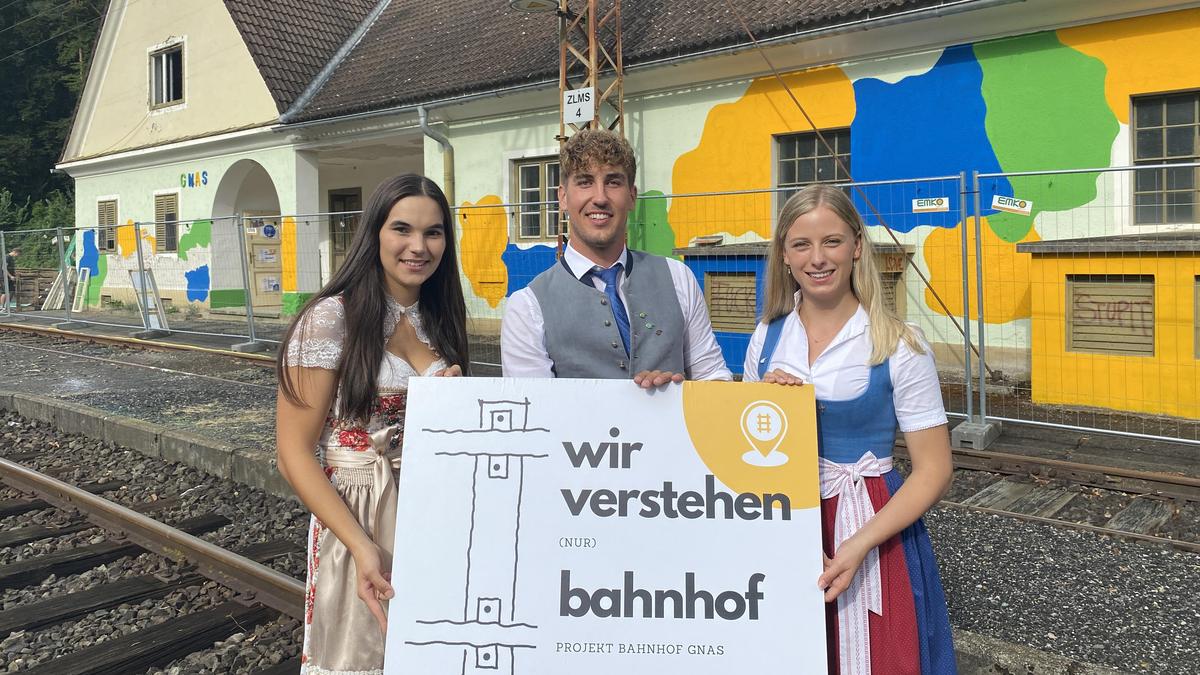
[609, 277]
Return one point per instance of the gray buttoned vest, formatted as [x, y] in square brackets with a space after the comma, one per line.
[581, 337]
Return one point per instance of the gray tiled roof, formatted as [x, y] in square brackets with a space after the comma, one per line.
[421, 51]
[292, 40]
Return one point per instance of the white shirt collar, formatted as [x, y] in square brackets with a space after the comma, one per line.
[580, 265]
[856, 325]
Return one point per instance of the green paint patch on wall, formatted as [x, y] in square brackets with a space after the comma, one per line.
[1046, 109]
[292, 302]
[649, 229]
[235, 297]
[198, 235]
[96, 283]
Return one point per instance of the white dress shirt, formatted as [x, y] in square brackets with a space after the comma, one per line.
[841, 372]
[522, 332]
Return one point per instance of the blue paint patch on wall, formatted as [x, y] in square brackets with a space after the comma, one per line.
[198, 284]
[90, 258]
[733, 344]
[924, 125]
[525, 263]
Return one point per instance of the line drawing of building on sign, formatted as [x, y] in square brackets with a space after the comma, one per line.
[489, 631]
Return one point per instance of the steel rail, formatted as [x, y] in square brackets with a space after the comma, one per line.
[256, 359]
[1192, 547]
[160, 369]
[257, 581]
[1116, 478]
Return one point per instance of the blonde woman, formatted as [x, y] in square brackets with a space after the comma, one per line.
[824, 323]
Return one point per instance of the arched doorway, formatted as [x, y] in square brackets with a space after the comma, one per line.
[247, 191]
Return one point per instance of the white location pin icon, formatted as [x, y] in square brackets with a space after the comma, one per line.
[764, 425]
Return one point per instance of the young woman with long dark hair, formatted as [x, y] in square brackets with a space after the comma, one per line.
[394, 310]
[825, 323]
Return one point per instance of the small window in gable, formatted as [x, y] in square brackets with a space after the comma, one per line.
[166, 76]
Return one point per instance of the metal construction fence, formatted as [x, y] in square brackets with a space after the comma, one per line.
[1065, 298]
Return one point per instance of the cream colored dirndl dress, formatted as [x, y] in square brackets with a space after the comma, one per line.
[341, 637]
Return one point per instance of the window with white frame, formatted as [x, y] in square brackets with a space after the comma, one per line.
[536, 182]
[803, 159]
[106, 222]
[1166, 131]
[166, 76]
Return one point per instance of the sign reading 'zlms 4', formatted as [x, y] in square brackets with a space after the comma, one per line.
[1022, 207]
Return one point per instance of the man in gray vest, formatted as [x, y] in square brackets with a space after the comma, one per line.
[603, 311]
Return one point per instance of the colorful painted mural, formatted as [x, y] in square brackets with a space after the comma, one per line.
[1053, 100]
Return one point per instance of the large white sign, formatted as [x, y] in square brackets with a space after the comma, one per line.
[588, 527]
[579, 106]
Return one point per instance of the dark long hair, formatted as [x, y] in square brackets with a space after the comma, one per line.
[360, 281]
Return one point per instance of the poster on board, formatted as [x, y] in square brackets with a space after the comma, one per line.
[589, 526]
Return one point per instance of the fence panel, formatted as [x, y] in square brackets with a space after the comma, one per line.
[1091, 290]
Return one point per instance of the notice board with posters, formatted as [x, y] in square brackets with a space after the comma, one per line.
[589, 526]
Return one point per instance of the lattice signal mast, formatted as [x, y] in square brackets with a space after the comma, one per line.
[589, 50]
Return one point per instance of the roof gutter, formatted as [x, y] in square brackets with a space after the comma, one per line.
[336, 60]
[908, 16]
[447, 154]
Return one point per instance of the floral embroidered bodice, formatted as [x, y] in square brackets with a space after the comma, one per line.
[318, 343]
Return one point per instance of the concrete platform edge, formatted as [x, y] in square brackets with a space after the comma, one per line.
[976, 654]
[254, 467]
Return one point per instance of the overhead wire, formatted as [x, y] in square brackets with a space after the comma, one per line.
[52, 37]
[31, 18]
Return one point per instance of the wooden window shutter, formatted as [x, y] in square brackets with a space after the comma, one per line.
[166, 231]
[1110, 314]
[106, 221]
[731, 301]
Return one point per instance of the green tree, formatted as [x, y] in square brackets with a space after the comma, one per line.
[45, 50]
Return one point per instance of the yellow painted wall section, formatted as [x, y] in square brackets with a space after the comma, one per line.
[1146, 54]
[127, 239]
[287, 245]
[1006, 288]
[484, 238]
[736, 146]
[1167, 383]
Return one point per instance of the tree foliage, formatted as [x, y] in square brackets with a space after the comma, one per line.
[45, 50]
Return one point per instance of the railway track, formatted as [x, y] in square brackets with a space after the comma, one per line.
[245, 594]
[1136, 505]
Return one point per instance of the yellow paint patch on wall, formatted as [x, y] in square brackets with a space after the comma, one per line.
[1167, 383]
[127, 239]
[287, 245]
[736, 148]
[1144, 55]
[484, 238]
[1006, 287]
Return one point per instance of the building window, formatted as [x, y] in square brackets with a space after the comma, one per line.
[1110, 314]
[166, 76]
[1166, 131]
[166, 229]
[730, 297]
[345, 206]
[537, 199]
[106, 222]
[804, 159]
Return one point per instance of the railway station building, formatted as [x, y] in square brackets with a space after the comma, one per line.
[242, 135]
